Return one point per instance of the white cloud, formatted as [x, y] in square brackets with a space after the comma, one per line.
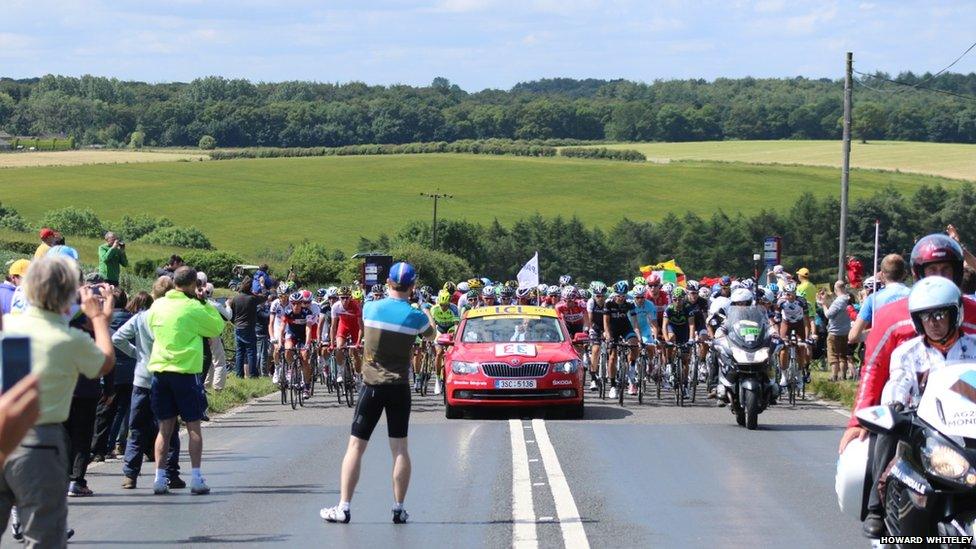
[464, 6]
[665, 24]
[812, 21]
[769, 6]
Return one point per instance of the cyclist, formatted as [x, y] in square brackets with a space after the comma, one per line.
[619, 326]
[328, 299]
[552, 297]
[347, 318]
[295, 324]
[276, 311]
[700, 303]
[679, 329]
[596, 308]
[444, 316]
[488, 298]
[507, 295]
[565, 280]
[795, 321]
[525, 296]
[572, 313]
[645, 315]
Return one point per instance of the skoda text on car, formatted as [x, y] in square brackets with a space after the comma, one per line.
[512, 355]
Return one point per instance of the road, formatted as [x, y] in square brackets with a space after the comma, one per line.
[639, 476]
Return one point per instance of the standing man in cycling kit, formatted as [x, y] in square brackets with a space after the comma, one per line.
[345, 329]
[391, 326]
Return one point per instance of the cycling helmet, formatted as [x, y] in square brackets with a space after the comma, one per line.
[678, 292]
[488, 291]
[295, 297]
[937, 248]
[376, 289]
[568, 292]
[475, 284]
[790, 288]
[284, 288]
[450, 286]
[748, 283]
[486, 282]
[585, 294]
[553, 291]
[357, 294]
[766, 295]
[692, 285]
[741, 296]
[564, 280]
[871, 284]
[852, 467]
[331, 292]
[511, 284]
[774, 287]
[621, 287]
[343, 291]
[638, 280]
[463, 287]
[523, 293]
[640, 290]
[736, 285]
[934, 293]
[726, 281]
[716, 289]
[306, 296]
[667, 288]
[654, 280]
[472, 296]
[541, 288]
[443, 297]
[507, 292]
[598, 288]
[320, 293]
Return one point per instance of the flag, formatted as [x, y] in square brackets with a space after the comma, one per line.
[668, 271]
[528, 277]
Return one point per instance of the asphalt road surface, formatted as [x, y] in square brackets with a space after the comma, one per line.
[639, 476]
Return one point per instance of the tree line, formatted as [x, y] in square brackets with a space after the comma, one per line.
[239, 113]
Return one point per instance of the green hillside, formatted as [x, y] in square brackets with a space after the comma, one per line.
[252, 205]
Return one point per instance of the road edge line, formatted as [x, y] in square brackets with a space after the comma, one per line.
[570, 522]
[524, 534]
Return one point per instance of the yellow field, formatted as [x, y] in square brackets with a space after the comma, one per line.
[944, 159]
[81, 157]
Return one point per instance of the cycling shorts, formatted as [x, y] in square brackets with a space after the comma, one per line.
[622, 335]
[351, 335]
[682, 333]
[373, 401]
[799, 327]
[298, 341]
[646, 335]
[575, 329]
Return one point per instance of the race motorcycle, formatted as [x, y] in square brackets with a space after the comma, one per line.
[931, 488]
[743, 353]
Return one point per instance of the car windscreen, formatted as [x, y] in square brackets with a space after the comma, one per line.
[507, 328]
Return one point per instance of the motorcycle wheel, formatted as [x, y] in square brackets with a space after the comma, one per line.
[750, 403]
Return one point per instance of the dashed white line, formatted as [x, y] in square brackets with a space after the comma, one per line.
[523, 514]
[569, 518]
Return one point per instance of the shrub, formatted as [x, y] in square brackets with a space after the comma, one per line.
[137, 140]
[603, 153]
[184, 237]
[488, 146]
[26, 248]
[74, 221]
[218, 265]
[139, 226]
[315, 263]
[146, 267]
[11, 219]
[207, 143]
[433, 267]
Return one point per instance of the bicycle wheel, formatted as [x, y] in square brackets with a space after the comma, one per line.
[603, 374]
[282, 383]
[314, 363]
[301, 386]
[679, 394]
[693, 372]
[641, 377]
[348, 383]
[622, 369]
[292, 384]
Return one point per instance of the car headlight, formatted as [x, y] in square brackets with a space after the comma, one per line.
[568, 367]
[945, 462]
[459, 367]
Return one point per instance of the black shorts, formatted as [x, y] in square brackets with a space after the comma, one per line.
[373, 400]
[575, 328]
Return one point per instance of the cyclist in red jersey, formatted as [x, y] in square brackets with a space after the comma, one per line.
[572, 313]
[347, 322]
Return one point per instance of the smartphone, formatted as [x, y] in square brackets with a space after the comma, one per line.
[97, 290]
[15, 361]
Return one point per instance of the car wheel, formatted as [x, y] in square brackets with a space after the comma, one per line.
[452, 412]
[575, 411]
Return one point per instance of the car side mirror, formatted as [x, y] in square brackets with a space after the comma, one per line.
[883, 419]
[581, 337]
[445, 339]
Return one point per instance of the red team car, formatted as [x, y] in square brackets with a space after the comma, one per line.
[512, 355]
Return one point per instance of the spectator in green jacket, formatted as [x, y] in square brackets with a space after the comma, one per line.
[111, 258]
[179, 322]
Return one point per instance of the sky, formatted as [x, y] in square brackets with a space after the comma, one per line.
[478, 44]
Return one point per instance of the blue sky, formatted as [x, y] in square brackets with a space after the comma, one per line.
[477, 43]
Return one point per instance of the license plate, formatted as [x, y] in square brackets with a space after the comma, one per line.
[515, 384]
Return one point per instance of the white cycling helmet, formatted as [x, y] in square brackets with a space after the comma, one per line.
[736, 285]
[852, 472]
[488, 291]
[667, 288]
[741, 296]
[463, 287]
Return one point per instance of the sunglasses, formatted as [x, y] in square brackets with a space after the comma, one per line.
[934, 316]
[640, 297]
[345, 297]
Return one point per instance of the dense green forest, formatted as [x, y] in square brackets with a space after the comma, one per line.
[240, 113]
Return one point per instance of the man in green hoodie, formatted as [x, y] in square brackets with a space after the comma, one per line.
[111, 258]
[179, 322]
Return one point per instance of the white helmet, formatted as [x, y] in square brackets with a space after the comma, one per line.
[736, 285]
[852, 472]
[741, 295]
[667, 288]
[463, 287]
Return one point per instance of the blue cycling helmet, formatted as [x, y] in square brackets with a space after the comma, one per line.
[621, 287]
[403, 273]
[726, 280]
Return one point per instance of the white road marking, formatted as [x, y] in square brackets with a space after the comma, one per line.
[523, 514]
[574, 535]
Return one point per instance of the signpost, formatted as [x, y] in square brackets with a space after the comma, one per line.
[374, 269]
[772, 252]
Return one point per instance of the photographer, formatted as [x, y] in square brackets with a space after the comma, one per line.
[111, 258]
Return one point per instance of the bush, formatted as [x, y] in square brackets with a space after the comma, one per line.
[25, 248]
[137, 140]
[602, 153]
[433, 267]
[315, 263]
[219, 266]
[207, 143]
[146, 267]
[184, 237]
[11, 219]
[488, 146]
[133, 228]
[74, 221]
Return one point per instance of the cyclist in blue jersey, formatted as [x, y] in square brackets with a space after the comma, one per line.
[644, 314]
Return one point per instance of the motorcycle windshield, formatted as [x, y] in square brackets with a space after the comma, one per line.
[746, 327]
[949, 400]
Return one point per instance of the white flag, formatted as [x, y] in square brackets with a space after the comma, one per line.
[528, 277]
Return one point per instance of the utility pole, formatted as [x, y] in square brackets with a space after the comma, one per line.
[845, 174]
[435, 196]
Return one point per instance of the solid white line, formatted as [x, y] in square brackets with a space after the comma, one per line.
[569, 518]
[523, 513]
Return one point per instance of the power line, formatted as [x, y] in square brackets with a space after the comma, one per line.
[935, 90]
[949, 66]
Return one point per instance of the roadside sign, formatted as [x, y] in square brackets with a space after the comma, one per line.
[772, 251]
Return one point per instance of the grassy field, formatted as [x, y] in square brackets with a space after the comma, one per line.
[92, 156]
[943, 159]
[88, 247]
[250, 205]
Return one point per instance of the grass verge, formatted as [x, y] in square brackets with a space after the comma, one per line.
[838, 391]
[238, 391]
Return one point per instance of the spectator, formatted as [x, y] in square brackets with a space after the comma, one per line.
[112, 417]
[262, 320]
[135, 340]
[15, 274]
[169, 269]
[968, 286]
[838, 326]
[19, 409]
[111, 259]
[48, 238]
[262, 282]
[178, 322]
[33, 476]
[806, 289]
[214, 373]
[244, 309]
[893, 273]
[855, 271]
